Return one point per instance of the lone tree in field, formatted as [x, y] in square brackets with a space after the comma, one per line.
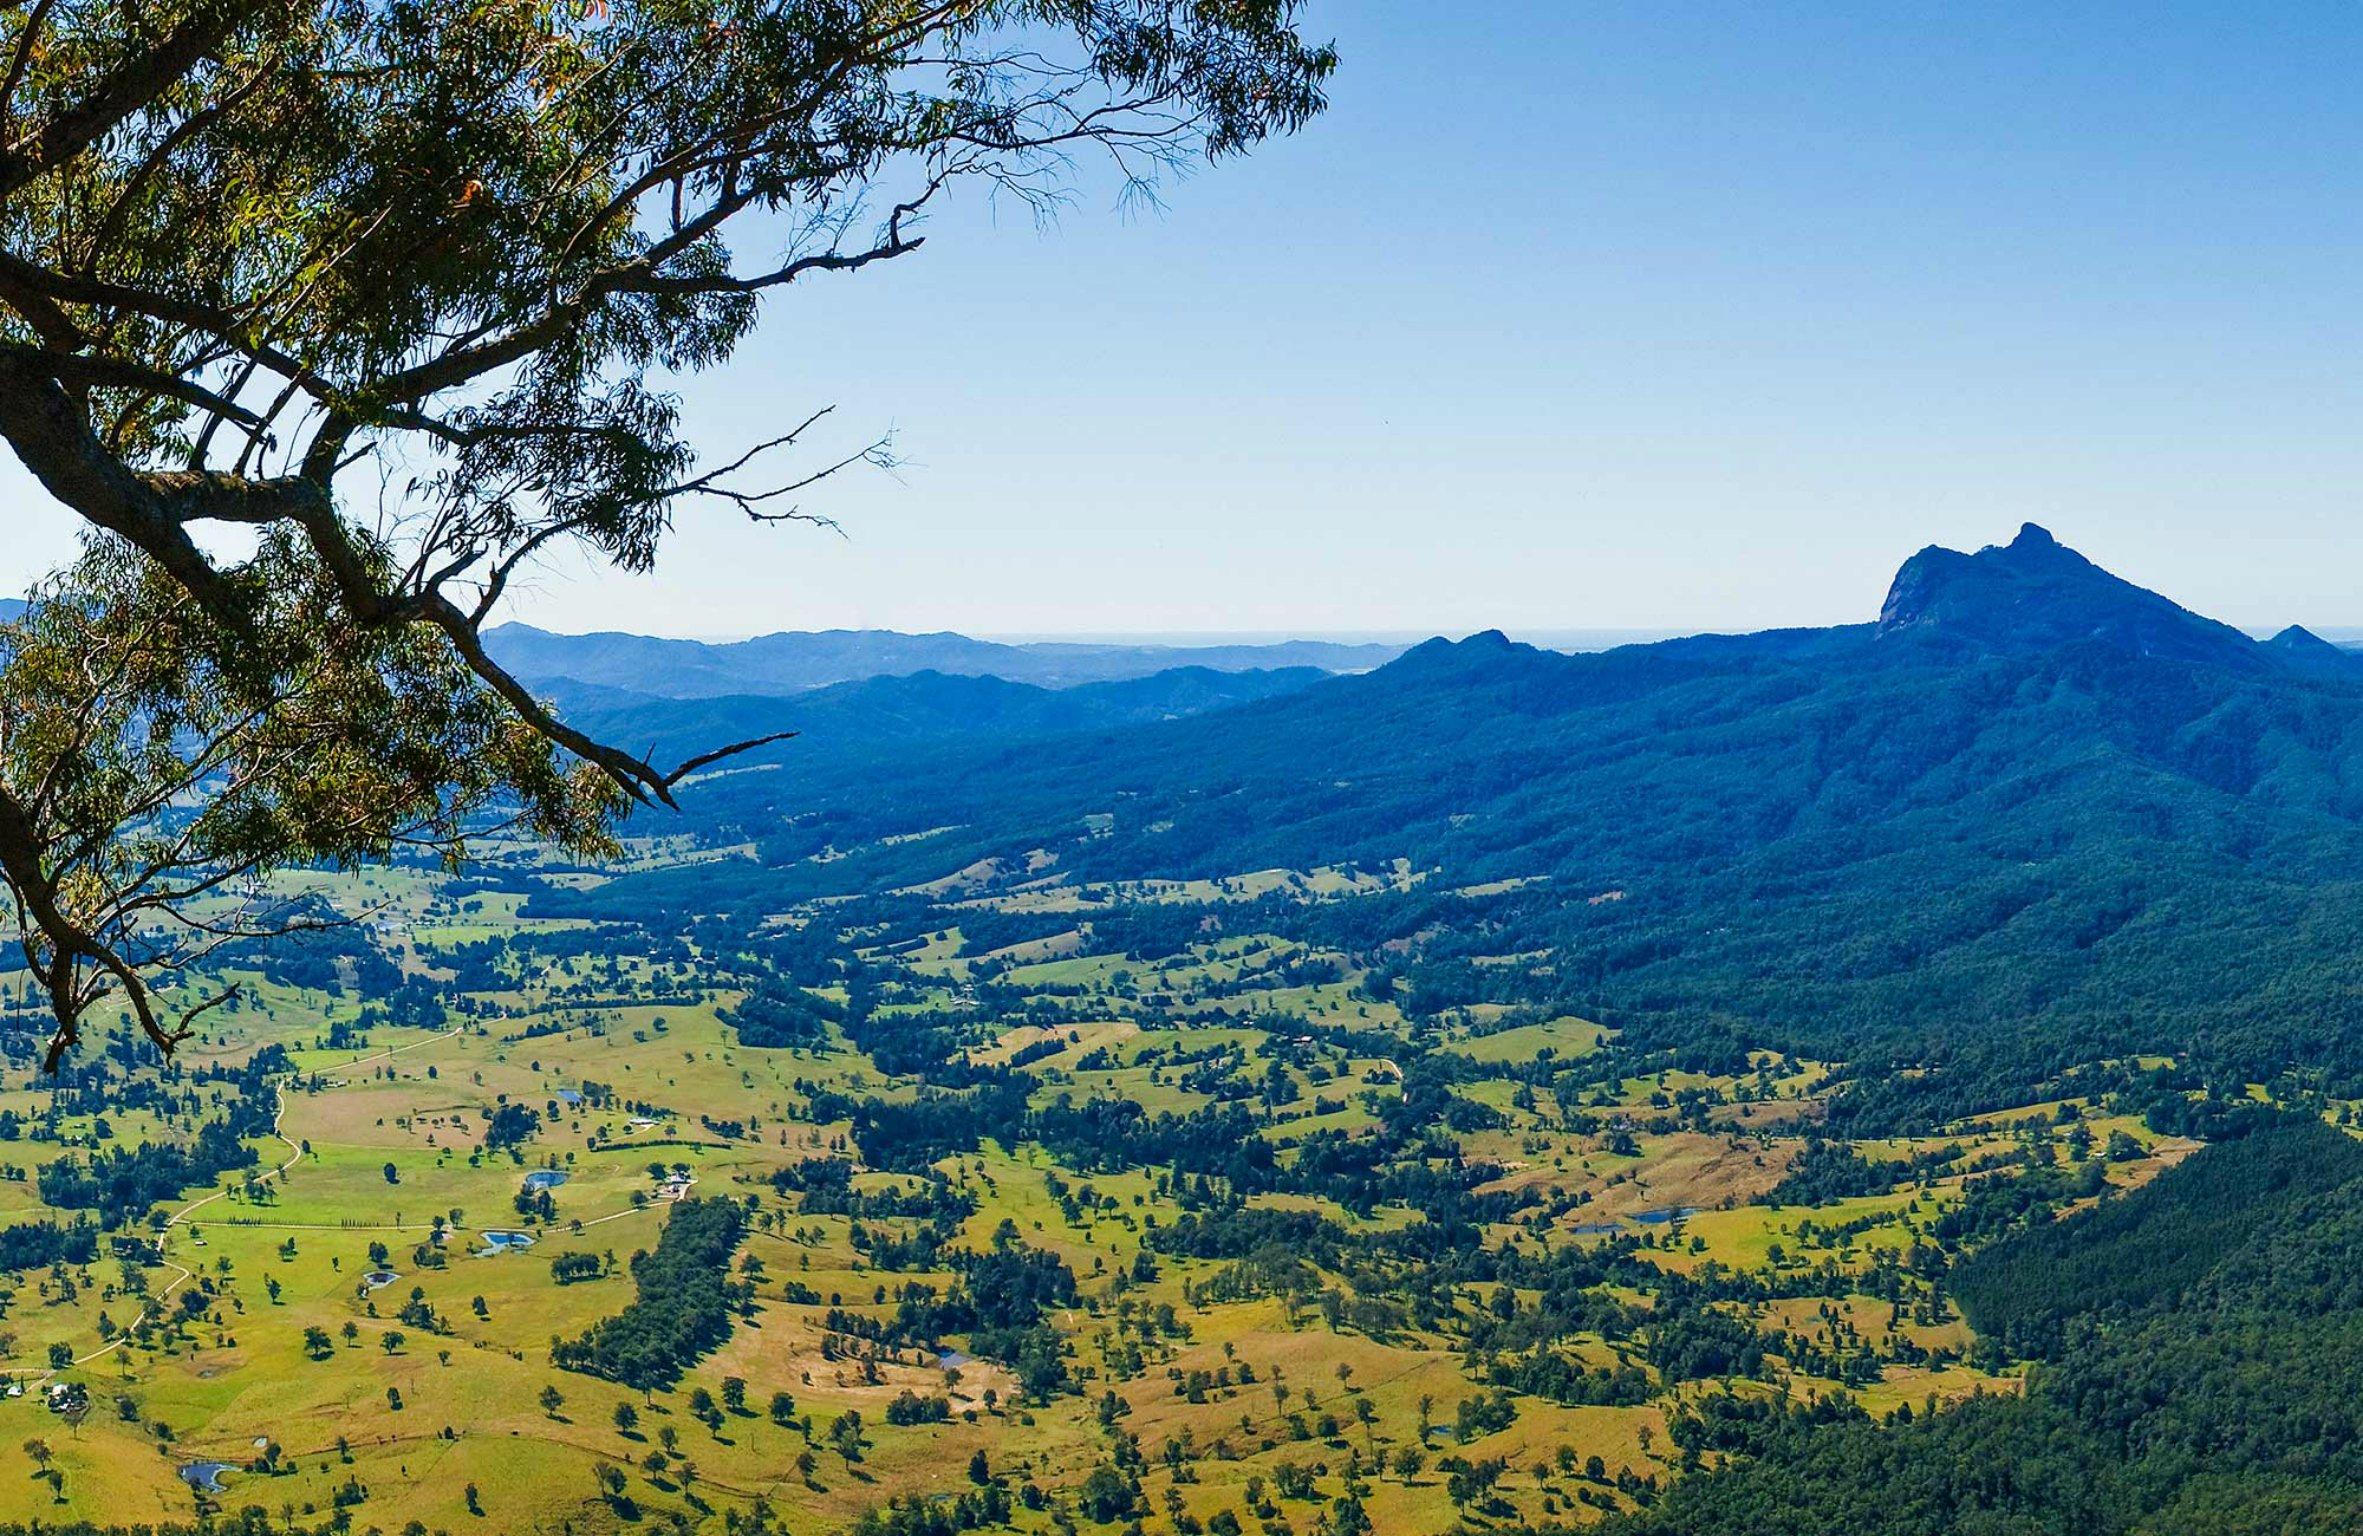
[329, 317]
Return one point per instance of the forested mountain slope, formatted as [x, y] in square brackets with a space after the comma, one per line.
[2031, 816]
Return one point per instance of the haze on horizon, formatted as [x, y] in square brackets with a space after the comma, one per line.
[1591, 318]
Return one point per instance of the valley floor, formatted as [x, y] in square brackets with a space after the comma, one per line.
[1206, 1228]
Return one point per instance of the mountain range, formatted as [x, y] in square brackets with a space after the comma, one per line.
[794, 662]
[2030, 813]
[858, 720]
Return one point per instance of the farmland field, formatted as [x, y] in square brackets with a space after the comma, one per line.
[1033, 1217]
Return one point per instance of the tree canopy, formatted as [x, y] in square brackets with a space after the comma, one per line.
[329, 317]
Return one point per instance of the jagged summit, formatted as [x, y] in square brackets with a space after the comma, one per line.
[2036, 593]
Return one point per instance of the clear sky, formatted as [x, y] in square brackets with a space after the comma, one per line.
[1588, 316]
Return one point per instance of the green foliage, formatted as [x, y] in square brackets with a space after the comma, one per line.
[251, 248]
[682, 1307]
[155, 756]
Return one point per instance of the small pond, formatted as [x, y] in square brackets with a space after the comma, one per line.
[544, 1178]
[1671, 1213]
[379, 1279]
[206, 1476]
[502, 1242]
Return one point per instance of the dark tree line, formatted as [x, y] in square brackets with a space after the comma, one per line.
[682, 1304]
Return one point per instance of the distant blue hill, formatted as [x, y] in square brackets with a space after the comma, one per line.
[859, 722]
[795, 662]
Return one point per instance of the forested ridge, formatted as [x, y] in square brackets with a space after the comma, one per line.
[2221, 1404]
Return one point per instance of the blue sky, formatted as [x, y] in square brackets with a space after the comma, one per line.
[1590, 316]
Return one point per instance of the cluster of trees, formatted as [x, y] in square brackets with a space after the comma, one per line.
[39, 1244]
[985, 1508]
[122, 1184]
[774, 1014]
[572, 1268]
[324, 955]
[999, 1306]
[509, 1126]
[682, 1304]
[1831, 1170]
[824, 1187]
[413, 1004]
